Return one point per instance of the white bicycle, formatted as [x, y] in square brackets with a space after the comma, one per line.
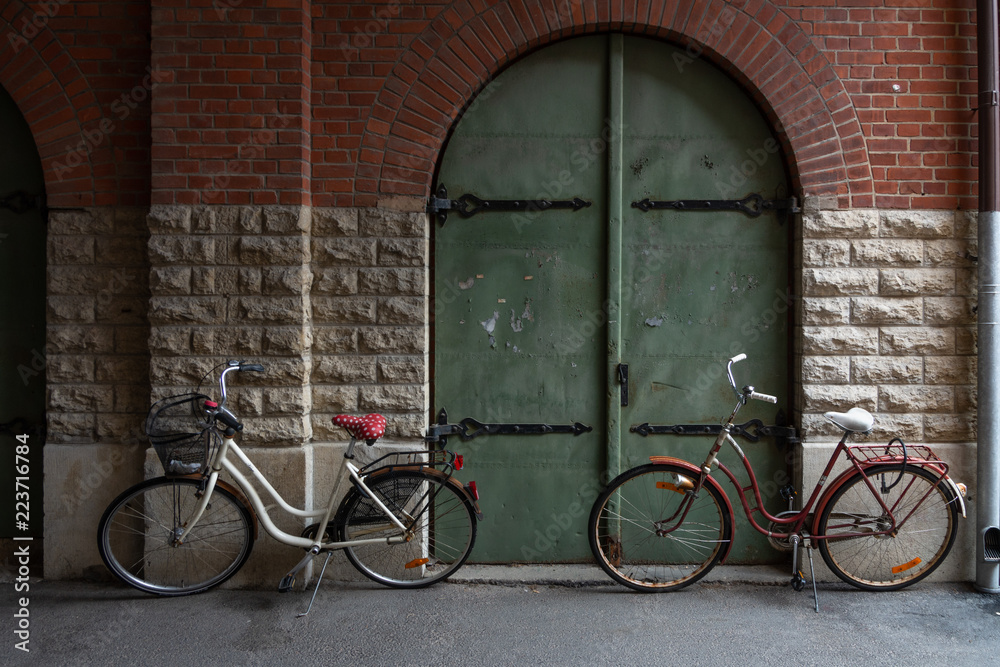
[406, 522]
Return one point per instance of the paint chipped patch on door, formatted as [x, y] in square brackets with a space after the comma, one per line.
[490, 326]
[516, 322]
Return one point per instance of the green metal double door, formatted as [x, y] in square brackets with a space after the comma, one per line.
[598, 311]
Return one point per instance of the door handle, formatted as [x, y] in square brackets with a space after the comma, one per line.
[623, 381]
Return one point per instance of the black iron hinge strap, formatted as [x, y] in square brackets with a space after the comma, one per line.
[469, 205]
[759, 430]
[21, 202]
[470, 428]
[752, 205]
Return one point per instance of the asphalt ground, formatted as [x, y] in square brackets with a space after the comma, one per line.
[548, 615]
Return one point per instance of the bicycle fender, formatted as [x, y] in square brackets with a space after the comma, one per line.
[237, 494]
[958, 494]
[434, 472]
[696, 473]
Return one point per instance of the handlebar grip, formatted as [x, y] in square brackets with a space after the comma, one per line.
[252, 367]
[229, 419]
[738, 357]
[763, 397]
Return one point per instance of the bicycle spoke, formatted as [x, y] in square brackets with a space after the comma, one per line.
[888, 556]
[137, 538]
[439, 536]
[649, 536]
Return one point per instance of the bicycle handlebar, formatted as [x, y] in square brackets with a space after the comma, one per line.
[747, 392]
[235, 366]
[763, 397]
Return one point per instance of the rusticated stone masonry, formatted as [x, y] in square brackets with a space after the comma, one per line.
[370, 318]
[96, 360]
[233, 283]
[888, 320]
[331, 301]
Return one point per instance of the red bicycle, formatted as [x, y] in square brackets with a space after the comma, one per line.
[886, 522]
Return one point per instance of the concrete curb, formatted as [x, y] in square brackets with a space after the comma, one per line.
[579, 576]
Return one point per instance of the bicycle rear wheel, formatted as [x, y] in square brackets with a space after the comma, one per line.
[440, 521]
[927, 509]
[649, 533]
[136, 537]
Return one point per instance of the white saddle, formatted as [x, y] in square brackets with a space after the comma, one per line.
[856, 420]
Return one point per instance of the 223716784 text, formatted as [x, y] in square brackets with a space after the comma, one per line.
[22, 551]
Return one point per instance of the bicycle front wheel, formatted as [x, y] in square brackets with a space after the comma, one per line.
[136, 537]
[440, 528]
[650, 533]
[926, 509]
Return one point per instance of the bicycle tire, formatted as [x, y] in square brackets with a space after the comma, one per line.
[623, 533]
[135, 537]
[440, 520]
[889, 562]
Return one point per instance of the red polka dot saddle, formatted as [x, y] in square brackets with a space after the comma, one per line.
[368, 428]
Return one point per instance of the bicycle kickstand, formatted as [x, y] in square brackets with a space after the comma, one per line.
[812, 575]
[318, 582]
[799, 581]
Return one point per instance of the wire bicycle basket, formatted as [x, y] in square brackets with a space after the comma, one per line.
[182, 434]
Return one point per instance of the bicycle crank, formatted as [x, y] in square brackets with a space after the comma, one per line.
[781, 543]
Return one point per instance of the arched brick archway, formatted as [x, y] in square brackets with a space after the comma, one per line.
[57, 103]
[460, 52]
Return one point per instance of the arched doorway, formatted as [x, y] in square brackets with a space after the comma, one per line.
[22, 327]
[587, 303]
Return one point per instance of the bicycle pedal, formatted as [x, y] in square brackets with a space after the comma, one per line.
[286, 583]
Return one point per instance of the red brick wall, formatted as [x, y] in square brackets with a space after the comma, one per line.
[231, 122]
[922, 139]
[337, 103]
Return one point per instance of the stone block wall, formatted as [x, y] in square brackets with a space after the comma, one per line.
[233, 282]
[332, 301]
[369, 317]
[96, 359]
[888, 321]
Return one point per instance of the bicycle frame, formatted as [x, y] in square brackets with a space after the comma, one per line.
[222, 462]
[820, 495]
